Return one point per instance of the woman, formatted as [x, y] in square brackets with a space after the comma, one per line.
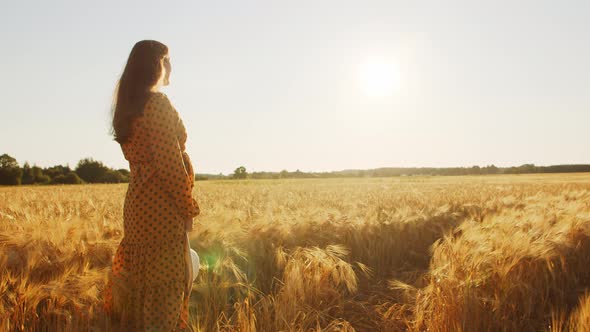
[151, 277]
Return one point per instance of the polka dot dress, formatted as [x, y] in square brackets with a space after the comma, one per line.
[149, 284]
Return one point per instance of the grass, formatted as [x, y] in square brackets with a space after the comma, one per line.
[473, 253]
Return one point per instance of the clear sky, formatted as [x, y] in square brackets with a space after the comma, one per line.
[309, 85]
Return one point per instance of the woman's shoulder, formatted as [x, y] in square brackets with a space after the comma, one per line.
[159, 101]
[159, 107]
[158, 98]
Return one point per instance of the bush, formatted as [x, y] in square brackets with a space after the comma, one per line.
[39, 176]
[70, 178]
[112, 176]
[91, 171]
[57, 170]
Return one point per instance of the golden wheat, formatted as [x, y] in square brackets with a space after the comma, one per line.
[366, 254]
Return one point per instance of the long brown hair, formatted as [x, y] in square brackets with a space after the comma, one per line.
[141, 73]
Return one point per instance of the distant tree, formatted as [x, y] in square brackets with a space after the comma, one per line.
[527, 168]
[7, 161]
[240, 173]
[124, 172]
[90, 170]
[28, 176]
[69, 178]
[10, 172]
[39, 176]
[298, 174]
[113, 176]
[491, 169]
[57, 170]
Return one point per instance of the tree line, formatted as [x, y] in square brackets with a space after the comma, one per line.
[414, 171]
[89, 170]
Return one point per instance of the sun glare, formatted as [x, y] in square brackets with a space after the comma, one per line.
[378, 78]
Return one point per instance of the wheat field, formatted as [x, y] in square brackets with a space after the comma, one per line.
[474, 253]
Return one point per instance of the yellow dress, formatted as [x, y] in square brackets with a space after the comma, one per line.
[149, 284]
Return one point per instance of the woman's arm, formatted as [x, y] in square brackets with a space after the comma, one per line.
[182, 142]
[162, 120]
[189, 168]
[182, 136]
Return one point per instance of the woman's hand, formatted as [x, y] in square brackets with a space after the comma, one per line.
[188, 225]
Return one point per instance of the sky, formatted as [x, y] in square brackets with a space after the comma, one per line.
[308, 85]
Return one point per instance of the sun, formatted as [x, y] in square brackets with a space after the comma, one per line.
[379, 78]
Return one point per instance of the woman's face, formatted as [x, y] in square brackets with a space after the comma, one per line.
[167, 69]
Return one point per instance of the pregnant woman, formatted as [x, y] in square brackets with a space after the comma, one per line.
[151, 278]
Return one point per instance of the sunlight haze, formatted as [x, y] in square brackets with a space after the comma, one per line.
[308, 85]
